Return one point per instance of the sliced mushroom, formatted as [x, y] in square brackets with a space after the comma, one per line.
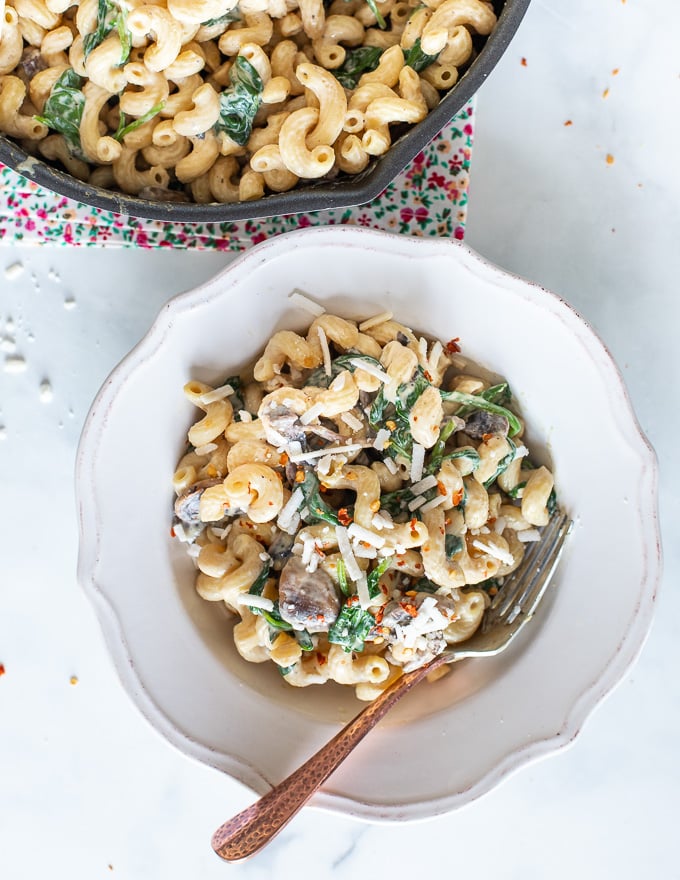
[188, 503]
[307, 600]
[32, 62]
[281, 548]
[481, 422]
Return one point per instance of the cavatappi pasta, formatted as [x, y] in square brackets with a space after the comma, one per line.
[355, 498]
[225, 100]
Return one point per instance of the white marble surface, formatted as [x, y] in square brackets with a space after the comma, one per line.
[87, 788]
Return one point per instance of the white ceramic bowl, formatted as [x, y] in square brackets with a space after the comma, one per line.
[446, 743]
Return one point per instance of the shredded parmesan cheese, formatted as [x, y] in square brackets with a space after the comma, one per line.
[417, 502]
[436, 502]
[345, 549]
[423, 485]
[329, 450]
[374, 321]
[368, 367]
[362, 534]
[352, 421]
[362, 591]
[381, 439]
[290, 508]
[206, 449]
[528, 535]
[255, 601]
[417, 461]
[497, 552]
[300, 299]
[216, 394]
[325, 351]
[312, 414]
[390, 464]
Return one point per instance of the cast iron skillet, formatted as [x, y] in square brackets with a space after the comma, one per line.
[342, 192]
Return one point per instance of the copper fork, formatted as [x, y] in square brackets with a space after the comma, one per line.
[512, 607]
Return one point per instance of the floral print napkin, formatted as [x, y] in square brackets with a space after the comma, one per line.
[428, 198]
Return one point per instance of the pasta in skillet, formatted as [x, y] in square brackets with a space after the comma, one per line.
[354, 510]
[225, 100]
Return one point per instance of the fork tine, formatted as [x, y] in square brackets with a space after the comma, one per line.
[528, 592]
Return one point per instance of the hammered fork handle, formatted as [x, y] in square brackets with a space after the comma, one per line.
[253, 828]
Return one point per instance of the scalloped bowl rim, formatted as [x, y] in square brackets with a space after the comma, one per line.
[631, 641]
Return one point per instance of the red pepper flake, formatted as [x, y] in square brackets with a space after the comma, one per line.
[2, 669]
[615, 72]
[73, 679]
[283, 459]
[364, 544]
[379, 614]
[323, 489]
[427, 375]
[452, 345]
[523, 62]
[457, 497]
[415, 418]
[321, 659]
[383, 589]
[319, 550]
[299, 476]
[605, 93]
[270, 503]
[486, 437]
[441, 488]
[609, 159]
[352, 601]
[320, 618]
[493, 591]
[401, 562]
[409, 608]
[172, 532]
[391, 425]
[344, 517]
[568, 123]
[413, 523]
[410, 592]
[249, 524]
[418, 565]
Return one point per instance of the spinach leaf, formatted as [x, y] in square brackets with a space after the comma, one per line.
[436, 456]
[514, 492]
[373, 6]
[551, 503]
[416, 58]
[477, 401]
[342, 578]
[240, 101]
[274, 618]
[503, 464]
[375, 574]
[284, 670]
[318, 509]
[236, 399]
[464, 452]
[351, 627]
[499, 394]
[227, 18]
[425, 585]
[124, 129]
[319, 377]
[378, 407]
[453, 544]
[357, 61]
[109, 17]
[63, 109]
[257, 585]
[304, 640]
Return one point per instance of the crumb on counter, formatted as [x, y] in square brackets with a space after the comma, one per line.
[46, 393]
[70, 303]
[568, 123]
[15, 364]
[73, 680]
[609, 159]
[14, 270]
[523, 62]
[2, 669]
[605, 93]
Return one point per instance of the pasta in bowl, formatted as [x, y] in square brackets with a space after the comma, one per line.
[174, 651]
[154, 109]
[355, 499]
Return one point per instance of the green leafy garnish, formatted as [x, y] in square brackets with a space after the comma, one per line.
[227, 18]
[373, 6]
[416, 58]
[551, 503]
[342, 578]
[124, 129]
[503, 464]
[109, 17]
[478, 401]
[63, 109]
[321, 379]
[240, 101]
[357, 62]
[318, 509]
[514, 492]
[284, 670]
[425, 585]
[351, 627]
[377, 414]
[453, 544]
[375, 574]
[258, 584]
[236, 399]
[304, 640]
